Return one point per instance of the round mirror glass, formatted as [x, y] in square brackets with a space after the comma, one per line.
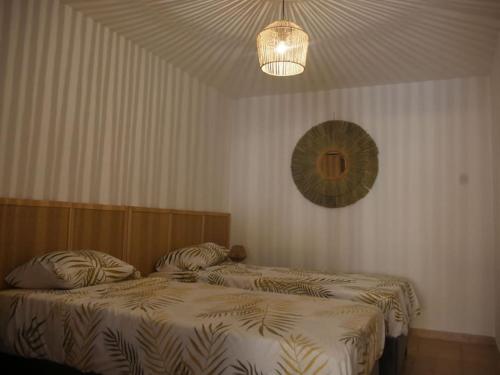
[332, 165]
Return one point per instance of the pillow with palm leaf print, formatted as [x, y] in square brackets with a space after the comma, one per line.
[70, 269]
[192, 258]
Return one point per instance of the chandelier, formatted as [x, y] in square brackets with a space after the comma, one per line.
[282, 48]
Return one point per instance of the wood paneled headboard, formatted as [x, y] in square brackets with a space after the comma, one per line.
[138, 235]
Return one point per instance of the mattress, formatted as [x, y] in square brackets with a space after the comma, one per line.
[154, 325]
[394, 296]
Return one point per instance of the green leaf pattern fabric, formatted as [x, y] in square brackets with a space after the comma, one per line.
[70, 269]
[394, 296]
[159, 326]
[192, 258]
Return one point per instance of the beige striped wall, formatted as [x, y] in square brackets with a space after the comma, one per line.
[86, 115]
[496, 147]
[428, 217]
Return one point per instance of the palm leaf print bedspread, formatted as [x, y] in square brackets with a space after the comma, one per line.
[394, 296]
[158, 326]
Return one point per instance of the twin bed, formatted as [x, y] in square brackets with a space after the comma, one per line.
[252, 320]
[156, 326]
[394, 297]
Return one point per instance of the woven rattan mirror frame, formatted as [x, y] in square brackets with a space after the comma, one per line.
[357, 148]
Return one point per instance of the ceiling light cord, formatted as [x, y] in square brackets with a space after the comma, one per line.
[283, 10]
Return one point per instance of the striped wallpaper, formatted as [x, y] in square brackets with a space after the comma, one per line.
[353, 43]
[496, 148]
[86, 115]
[429, 215]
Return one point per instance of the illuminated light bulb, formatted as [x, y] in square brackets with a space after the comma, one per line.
[282, 47]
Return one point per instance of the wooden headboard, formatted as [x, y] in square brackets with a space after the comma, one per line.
[138, 235]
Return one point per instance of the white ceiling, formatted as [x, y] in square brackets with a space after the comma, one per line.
[353, 42]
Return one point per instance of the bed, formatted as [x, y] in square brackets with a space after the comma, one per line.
[154, 325]
[41, 328]
[395, 297]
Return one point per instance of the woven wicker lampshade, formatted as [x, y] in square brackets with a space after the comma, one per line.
[282, 48]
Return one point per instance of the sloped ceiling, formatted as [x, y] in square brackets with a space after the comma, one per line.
[353, 42]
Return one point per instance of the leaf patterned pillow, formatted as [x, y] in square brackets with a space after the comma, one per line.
[193, 258]
[70, 269]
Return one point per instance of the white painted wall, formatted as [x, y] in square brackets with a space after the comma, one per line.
[429, 216]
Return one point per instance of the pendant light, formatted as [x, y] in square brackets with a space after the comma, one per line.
[282, 47]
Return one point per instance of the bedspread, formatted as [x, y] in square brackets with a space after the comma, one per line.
[158, 326]
[394, 296]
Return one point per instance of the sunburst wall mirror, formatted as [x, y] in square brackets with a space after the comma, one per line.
[335, 163]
